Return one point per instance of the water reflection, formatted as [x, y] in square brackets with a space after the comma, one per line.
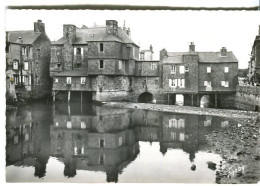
[93, 138]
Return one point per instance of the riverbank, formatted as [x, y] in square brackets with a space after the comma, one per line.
[239, 148]
[184, 109]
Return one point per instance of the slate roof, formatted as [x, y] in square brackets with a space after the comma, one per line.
[84, 35]
[204, 57]
[74, 73]
[28, 36]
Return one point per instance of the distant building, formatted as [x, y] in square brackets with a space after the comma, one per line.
[147, 55]
[254, 63]
[196, 74]
[27, 63]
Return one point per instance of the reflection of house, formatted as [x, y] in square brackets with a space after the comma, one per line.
[98, 138]
[100, 141]
[28, 138]
[27, 59]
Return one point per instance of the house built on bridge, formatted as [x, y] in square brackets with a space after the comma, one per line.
[102, 63]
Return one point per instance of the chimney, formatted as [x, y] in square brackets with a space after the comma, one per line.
[7, 37]
[39, 27]
[128, 32]
[20, 40]
[69, 33]
[111, 26]
[151, 48]
[223, 51]
[192, 47]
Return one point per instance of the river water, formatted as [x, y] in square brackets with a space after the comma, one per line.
[89, 143]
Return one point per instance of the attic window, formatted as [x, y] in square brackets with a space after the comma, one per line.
[92, 35]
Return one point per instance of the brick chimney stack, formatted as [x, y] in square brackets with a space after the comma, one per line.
[112, 27]
[223, 51]
[39, 27]
[192, 47]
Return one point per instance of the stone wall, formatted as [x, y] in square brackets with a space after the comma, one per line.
[248, 98]
[217, 75]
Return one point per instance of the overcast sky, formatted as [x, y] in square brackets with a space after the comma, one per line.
[172, 30]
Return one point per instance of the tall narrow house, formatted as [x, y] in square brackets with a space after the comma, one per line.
[93, 63]
[27, 63]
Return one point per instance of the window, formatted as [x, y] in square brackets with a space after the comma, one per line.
[208, 69]
[186, 69]
[23, 51]
[207, 83]
[101, 159]
[120, 141]
[226, 69]
[173, 69]
[153, 66]
[69, 125]
[26, 66]
[173, 82]
[37, 80]
[224, 124]
[225, 83]
[83, 125]
[56, 80]
[79, 51]
[182, 83]
[142, 56]
[83, 80]
[173, 123]
[101, 47]
[57, 124]
[15, 65]
[181, 123]
[26, 80]
[182, 136]
[101, 64]
[120, 64]
[68, 80]
[181, 69]
[7, 48]
[16, 139]
[16, 79]
[101, 143]
[173, 135]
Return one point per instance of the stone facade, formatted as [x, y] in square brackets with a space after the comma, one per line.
[27, 69]
[109, 63]
[195, 74]
[248, 98]
[254, 63]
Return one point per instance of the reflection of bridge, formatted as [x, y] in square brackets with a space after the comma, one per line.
[100, 139]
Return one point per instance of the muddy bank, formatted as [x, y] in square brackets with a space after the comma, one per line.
[239, 147]
[184, 109]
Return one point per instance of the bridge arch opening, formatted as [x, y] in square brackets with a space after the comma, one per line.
[146, 97]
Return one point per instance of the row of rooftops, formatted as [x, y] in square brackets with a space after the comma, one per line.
[103, 34]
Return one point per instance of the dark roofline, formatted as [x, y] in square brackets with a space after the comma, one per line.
[94, 41]
[148, 61]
